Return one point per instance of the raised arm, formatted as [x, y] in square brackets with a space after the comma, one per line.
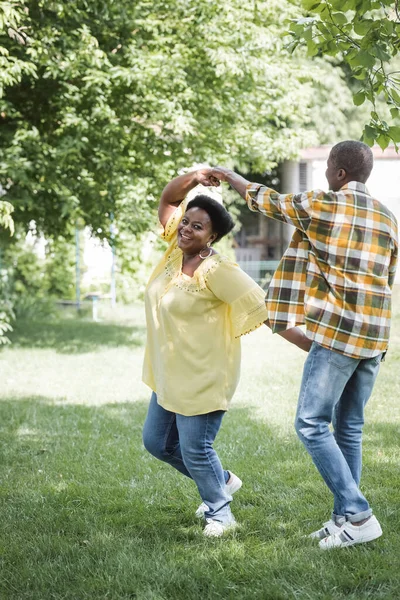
[236, 181]
[288, 208]
[177, 189]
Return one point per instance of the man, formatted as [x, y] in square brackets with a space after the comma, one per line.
[336, 277]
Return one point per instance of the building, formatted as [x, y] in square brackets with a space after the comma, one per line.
[261, 242]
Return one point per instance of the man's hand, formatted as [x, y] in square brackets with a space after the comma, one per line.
[236, 181]
[297, 337]
[220, 173]
[205, 177]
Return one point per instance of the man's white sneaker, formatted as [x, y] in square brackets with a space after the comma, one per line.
[327, 529]
[233, 485]
[350, 534]
[216, 529]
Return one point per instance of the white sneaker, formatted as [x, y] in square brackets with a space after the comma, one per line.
[350, 534]
[233, 485]
[216, 529]
[327, 529]
[203, 508]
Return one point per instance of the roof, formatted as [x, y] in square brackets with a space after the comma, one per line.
[322, 152]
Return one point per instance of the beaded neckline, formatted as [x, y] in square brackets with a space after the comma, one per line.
[196, 283]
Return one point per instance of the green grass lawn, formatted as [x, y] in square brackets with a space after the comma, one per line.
[87, 513]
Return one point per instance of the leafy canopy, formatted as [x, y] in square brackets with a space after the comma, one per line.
[364, 35]
[101, 102]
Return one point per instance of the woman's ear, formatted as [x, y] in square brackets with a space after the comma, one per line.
[213, 237]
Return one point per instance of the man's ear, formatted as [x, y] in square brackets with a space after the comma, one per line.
[341, 174]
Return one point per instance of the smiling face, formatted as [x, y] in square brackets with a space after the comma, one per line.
[194, 231]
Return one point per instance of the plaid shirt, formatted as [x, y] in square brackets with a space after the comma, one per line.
[337, 273]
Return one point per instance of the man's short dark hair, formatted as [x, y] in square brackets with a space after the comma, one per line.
[221, 220]
[355, 158]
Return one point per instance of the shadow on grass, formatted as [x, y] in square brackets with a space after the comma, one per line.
[74, 336]
[80, 495]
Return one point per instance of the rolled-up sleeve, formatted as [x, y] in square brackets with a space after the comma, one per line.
[295, 209]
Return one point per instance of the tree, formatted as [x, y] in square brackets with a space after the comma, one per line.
[6, 312]
[104, 101]
[364, 37]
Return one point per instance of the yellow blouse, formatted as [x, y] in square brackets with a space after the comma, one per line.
[194, 324]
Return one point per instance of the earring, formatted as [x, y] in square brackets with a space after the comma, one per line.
[208, 244]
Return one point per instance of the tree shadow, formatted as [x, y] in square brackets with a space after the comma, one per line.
[74, 336]
[78, 485]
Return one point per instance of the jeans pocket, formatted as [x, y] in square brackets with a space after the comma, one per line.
[377, 359]
[341, 361]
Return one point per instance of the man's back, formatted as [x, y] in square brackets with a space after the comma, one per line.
[353, 237]
[337, 273]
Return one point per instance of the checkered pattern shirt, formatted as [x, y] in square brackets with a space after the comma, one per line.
[337, 273]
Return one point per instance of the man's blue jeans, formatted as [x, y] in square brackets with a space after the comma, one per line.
[335, 388]
[186, 444]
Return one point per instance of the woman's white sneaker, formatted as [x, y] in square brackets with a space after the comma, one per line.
[232, 485]
[217, 529]
[203, 508]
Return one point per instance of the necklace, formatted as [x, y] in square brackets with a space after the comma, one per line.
[204, 257]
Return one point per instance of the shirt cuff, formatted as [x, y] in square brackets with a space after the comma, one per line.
[251, 196]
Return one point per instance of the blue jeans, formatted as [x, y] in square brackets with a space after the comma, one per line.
[185, 443]
[335, 388]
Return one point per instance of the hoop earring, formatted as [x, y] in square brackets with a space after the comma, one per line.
[204, 257]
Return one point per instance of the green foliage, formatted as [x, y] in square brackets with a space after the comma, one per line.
[59, 269]
[6, 220]
[6, 317]
[104, 102]
[30, 281]
[6, 308]
[363, 35]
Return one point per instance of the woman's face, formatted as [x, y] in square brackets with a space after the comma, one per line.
[194, 231]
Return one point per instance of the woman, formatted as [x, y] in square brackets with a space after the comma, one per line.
[198, 304]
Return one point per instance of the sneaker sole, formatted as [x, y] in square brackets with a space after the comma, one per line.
[368, 538]
[228, 529]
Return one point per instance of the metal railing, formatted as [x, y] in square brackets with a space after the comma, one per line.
[259, 270]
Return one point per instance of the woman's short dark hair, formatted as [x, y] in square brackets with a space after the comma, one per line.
[221, 220]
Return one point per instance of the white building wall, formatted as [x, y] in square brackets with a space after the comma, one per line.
[383, 183]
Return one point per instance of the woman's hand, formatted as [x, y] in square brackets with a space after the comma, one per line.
[176, 190]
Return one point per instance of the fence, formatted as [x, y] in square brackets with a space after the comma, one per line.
[259, 270]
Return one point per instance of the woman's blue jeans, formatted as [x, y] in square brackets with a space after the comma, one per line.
[185, 443]
[335, 389]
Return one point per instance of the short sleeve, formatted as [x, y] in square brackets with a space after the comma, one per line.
[245, 298]
[171, 226]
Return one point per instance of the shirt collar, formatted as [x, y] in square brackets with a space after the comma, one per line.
[355, 186]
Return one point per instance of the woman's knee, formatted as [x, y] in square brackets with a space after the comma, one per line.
[153, 444]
